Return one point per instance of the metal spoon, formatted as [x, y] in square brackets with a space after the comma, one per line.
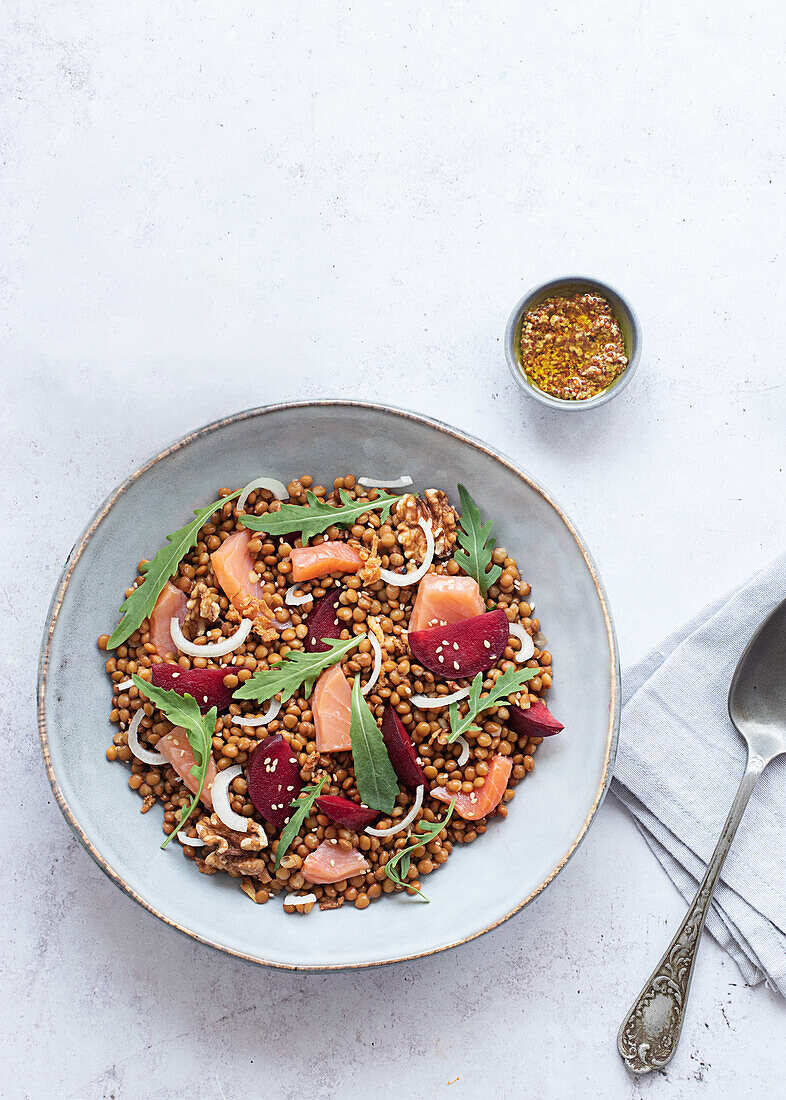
[651, 1030]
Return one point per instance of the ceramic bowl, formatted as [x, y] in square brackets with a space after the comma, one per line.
[481, 885]
[574, 284]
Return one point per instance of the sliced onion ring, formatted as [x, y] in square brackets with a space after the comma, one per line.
[211, 649]
[295, 601]
[191, 841]
[403, 580]
[126, 684]
[464, 751]
[383, 483]
[272, 484]
[405, 821]
[220, 794]
[268, 716]
[527, 645]
[300, 899]
[375, 671]
[147, 756]
[425, 702]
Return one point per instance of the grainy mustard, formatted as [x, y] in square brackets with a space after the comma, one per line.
[572, 347]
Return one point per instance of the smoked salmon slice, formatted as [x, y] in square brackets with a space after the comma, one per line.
[482, 801]
[310, 562]
[331, 704]
[442, 601]
[175, 747]
[234, 570]
[171, 604]
[330, 863]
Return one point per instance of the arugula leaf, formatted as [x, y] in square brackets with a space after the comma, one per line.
[183, 710]
[316, 516]
[376, 780]
[475, 557]
[302, 804]
[508, 683]
[158, 571]
[398, 865]
[296, 668]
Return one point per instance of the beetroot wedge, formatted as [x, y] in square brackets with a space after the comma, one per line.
[273, 776]
[463, 649]
[403, 754]
[346, 812]
[323, 623]
[538, 721]
[205, 684]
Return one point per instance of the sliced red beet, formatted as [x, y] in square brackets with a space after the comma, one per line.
[538, 721]
[403, 754]
[346, 812]
[273, 777]
[463, 649]
[323, 623]
[205, 684]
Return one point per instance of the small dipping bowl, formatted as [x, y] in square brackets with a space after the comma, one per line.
[564, 288]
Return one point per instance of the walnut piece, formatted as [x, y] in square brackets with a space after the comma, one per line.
[233, 852]
[369, 572]
[332, 903]
[254, 890]
[261, 614]
[202, 608]
[438, 511]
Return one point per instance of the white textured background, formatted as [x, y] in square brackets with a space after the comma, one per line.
[208, 206]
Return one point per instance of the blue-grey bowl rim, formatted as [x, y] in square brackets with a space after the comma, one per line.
[216, 425]
[620, 305]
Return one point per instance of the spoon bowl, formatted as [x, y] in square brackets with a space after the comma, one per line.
[757, 696]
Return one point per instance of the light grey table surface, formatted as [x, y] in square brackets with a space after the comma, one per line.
[206, 207]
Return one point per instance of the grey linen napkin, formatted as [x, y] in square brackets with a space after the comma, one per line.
[679, 762]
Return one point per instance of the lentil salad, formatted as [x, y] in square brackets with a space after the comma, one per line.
[344, 580]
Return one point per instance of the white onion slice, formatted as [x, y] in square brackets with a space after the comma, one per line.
[295, 601]
[211, 649]
[300, 899]
[382, 483]
[268, 716]
[220, 794]
[272, 484]
[147, 756]
[126, 684]
[424, 702]
[191, 841]
[464, 751]
[527, 645]
[413, 813]
[375, 671]
[403, 580]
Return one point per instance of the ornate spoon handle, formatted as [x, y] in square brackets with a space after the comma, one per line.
[651, 1030]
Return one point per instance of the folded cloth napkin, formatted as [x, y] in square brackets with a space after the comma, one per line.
[679, 763]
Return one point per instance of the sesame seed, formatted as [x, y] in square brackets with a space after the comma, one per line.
[486, 643]
[456, 665]
[441, 660]
[455, 645]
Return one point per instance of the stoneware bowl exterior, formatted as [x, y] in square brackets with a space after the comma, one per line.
[482, 884]
[565, 286]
